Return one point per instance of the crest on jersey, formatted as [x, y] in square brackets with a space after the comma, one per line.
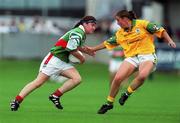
[137, 30]
[156, 27]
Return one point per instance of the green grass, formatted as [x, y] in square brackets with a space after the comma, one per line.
[157, 101]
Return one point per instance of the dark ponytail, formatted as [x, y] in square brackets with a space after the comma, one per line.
[129, 14]
[86, 19]
[78, 24]
[132, 15]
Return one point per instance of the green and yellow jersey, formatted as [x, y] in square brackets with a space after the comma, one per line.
[68, 42]
[139, 40]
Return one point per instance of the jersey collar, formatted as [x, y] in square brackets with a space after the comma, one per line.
[82, 28]
[133, 23]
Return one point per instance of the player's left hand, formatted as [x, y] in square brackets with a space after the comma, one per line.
[172, 44]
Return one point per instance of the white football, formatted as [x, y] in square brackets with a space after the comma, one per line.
[75, 60]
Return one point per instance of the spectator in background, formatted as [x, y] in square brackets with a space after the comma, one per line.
[3, 27]
[13, 28]
[21, 25]
[53, 28]
[38, 25]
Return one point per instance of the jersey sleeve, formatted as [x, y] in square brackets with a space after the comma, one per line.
[74, 41]
[155, 28]
[111, 43]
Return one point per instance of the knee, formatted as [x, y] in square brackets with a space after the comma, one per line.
[141, 77]
[117, 81]
[77, 80]
[117, 78]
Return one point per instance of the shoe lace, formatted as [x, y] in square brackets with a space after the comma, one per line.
[14, 104]
[56, 100]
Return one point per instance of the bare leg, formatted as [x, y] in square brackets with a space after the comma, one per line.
[145, 69]
[112, 75]
[58, 78]
[125, 70]
[41, 79]
[73, 81]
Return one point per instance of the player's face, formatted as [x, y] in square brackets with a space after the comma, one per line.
[89, 27]
[123, 22]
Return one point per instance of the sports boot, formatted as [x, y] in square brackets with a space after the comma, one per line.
[123, 98]
[56, 101]
[104, 108]
[14, 105]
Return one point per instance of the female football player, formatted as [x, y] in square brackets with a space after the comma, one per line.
[57, 62]
[136, 37]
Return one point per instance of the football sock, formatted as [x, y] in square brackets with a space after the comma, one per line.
[110, 100]
[19, 98]
[129, 90]
[57, 93]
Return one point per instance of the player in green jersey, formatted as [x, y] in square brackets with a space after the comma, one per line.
[57, 62]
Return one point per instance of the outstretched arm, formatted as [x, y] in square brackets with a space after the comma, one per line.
[109, 44]
[168, 39]
[91, 50]
[98, 47]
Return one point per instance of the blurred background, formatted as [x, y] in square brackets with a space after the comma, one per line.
[28, 28]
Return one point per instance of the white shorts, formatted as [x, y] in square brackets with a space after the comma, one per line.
[138, 59]
[52, 65]
[114, 65]
[58, 78]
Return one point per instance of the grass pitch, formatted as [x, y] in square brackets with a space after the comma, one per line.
[157, 101]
